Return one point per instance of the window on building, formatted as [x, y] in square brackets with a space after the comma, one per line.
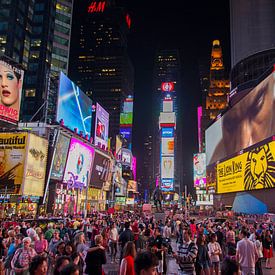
[61, 40]
[38, 18]
[30, 93]
[63, 8]
[3, 26]
[35, 42]
[63, 18]
[39, 7]
[37, 30]
[4, 12]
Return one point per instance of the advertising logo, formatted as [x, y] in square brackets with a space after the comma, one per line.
[101, 126]
[59, 162]
[167, 86]
[199, 162]
[78, 165]
[35, 166]
[11, 82]
[74, 107]
[12, 160]
[167, 132]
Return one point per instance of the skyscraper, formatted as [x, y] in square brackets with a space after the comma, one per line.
[100, 64]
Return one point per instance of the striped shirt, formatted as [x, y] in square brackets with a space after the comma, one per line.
[187, 254]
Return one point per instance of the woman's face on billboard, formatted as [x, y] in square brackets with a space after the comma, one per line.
[10, 86]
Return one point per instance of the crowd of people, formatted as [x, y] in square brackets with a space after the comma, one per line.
[137, 244]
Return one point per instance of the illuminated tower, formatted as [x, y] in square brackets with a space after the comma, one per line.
[216, 100]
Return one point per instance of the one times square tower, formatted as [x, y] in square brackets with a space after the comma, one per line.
[100, 64]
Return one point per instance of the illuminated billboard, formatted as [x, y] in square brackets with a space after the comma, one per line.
[128, 105]
[73, 107]
[252, 170]
[11, 82]
[132, 186]
[167, 132]
[78, 166]
[126, 118]
[167, 106]
[101, 126]
[36, 161]
[199, 169]
[167, 86]
[12, 161]
[167, 118]
[126, 132]
[167, 185]
[60, 157]
[167, 167]
[248, 122]
[118, 181]
[167, 146]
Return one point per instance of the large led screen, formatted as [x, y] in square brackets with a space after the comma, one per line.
[167, 118]
[101, 170]
[79, 162]
[167, 167]
[12, 161]
[126, 132]
[36, 161]
[167, 185]
[59, 162]
[167, 106]
[248, 122]
[11, 82]
[74, 107]
[199, 168]
[101, 126]
[254, 169]
[167, 146]
[126, 118]
[167, 132]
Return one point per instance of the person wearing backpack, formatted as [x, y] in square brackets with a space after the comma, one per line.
[187, 254]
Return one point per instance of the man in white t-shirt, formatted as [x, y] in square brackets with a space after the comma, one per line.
[113, 237]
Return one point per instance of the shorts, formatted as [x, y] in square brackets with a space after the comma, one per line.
[215, 264]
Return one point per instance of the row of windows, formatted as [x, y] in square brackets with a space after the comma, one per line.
[61, 40]
[63, 18]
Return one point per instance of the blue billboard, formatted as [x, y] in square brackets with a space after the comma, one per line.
[167, 185]
[73, 106]
[126, 132]
[167, 132]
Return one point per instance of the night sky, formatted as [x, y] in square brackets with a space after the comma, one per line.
[189, 26]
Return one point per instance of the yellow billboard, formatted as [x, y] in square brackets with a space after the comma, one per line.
[12, 160]
[251, 170]
[35, 169]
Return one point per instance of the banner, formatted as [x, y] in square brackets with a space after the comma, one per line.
[35, 169]
[251, 170]
[12, 161]
[132, 186]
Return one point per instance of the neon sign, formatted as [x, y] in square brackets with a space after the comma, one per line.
[167, 86]
[128, 20]
[96, 7]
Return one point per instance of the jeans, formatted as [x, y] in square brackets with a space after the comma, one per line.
[113, 247]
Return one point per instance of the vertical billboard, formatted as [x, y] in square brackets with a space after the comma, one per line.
[78, 166]
[60, 157]
[101, 126]
[199, 169]
[167, 167]
[35, 169]
[167, 146]
[73, 106]
[12, 161]
[11, 82]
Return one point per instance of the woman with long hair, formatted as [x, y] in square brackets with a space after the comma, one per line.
[203, 260]
[267, 245]
[127, 263]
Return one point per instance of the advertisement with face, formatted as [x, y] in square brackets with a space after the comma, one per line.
[118, 181]
[199, 162]
[167, 167]
[12, 161]
[11, 82]
[101, 170]
[167, 146]
[36, 162]
[248, 122]
[59, 162]
[74, 107]
[254, 169]
[78, 165]
[101, 126]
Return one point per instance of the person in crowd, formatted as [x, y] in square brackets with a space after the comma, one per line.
[252, 236]
[127, 263]
[146, 263]
[215, 252]
[202, 260]
[70, 269]
[126, 236]
[230, 237]
[62, 230]
[229, 267]
[187, 254]
[23, 257]
[41, 245]
[113, 242]
[38, 265]
[49, 232]
[246, 253]
[167, 230]
[61, 262]
[259, 248]
[96, 258]
[267, 248]
[54, 242]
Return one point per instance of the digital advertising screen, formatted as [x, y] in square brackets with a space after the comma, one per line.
[36, 161]
[167, 106]
[167, 117]
[167, 146]
[126, 156]
[101, 126]
[126, 119]
[78, 166]
[167, 167]
[248, 122]
[134, 167]
[128, 105]
[126, 132]
[252, 170]
[11, 82]
[132, 186]
[101, 169]
[199, 169]
[73, 106]
[12, 161]
[118, 181]
[60, 157]
[167, 132]
[167, 185]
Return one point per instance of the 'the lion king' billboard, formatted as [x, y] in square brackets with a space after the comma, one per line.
[252, 170]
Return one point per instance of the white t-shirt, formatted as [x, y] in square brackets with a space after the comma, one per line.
[113, 234]
[214, 248]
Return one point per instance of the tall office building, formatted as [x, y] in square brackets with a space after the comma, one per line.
[252, 40]
[100, 64]
[167, 69]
